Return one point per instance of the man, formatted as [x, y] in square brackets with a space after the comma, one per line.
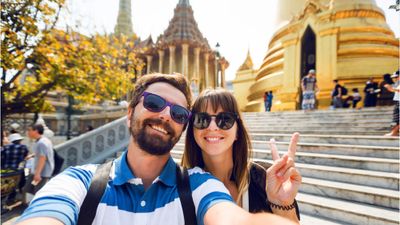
[337, 95]
[43, 154]
[11, 157]
[14, 153]
[371, 91]
[309, 88]
[142, 185]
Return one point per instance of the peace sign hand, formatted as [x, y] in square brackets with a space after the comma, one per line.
[283, 179]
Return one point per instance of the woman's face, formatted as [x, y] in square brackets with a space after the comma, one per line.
[213, 140]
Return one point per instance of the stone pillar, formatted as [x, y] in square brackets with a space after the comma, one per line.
[160, 61]
[149, 60]
[206, 55]
[196, 64]
[223, 84]
[171, 59]
[185, 60]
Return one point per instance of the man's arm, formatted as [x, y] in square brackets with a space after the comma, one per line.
[229, 213]
[39, 167]
[41, 221]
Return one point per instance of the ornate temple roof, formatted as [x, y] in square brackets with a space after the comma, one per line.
[247, 64]
[182, 28]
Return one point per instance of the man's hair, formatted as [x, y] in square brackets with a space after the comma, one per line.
[335, 81]
[177, 80]
[38, 127]
[241, 148]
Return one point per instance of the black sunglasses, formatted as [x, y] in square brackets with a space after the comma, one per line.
[224, 120]
[155, 103]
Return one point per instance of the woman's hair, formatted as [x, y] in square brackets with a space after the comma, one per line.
[388, 79]
[241, 148]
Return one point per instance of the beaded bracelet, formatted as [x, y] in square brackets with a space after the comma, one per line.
[283, 207]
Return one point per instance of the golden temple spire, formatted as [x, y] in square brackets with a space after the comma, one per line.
[248, 63]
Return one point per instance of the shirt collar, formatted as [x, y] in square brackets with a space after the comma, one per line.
[123, 172]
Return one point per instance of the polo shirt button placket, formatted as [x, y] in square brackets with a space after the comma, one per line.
[143, 203]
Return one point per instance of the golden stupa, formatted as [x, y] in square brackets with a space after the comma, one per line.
[348, 40]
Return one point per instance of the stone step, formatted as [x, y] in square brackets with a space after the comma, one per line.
[367, 140]
[326, 128]
[345, 116]
[348, 175]
[276, 123]
[346, 211]
[351, 192]
[370, 111]
[320, 130]
[355, 162]
[338, 149]
[306, 219]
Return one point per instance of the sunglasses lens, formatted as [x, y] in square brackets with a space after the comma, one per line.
[201, 120]
[180, 114]
[225, 120]
[154, 103]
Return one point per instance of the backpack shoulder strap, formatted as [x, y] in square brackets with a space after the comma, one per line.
[96, 190]
[185, 195]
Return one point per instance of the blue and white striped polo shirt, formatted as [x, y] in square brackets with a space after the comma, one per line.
[125, 202]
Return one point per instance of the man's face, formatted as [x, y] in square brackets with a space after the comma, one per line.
[156, 132]
[31, 133]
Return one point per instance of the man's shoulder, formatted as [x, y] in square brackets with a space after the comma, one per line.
[198, 177]
[82, 173]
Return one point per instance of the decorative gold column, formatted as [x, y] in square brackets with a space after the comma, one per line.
[149, 60]
[171, 59]
[206, 69]
[160, 61]
[196, 63]
[223, 75]
[185, 60]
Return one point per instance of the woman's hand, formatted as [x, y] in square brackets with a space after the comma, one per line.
[283, 179]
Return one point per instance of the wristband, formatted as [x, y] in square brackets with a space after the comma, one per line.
[283, 207]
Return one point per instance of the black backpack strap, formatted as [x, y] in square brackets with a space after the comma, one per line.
[94, 194]
[185, 195]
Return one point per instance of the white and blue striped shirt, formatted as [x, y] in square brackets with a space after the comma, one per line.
[125, 201]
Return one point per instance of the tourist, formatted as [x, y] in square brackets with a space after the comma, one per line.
[371, 91]
[43, 165]
[396, 89]
[142, 186]
[309, 87]
[218, 142]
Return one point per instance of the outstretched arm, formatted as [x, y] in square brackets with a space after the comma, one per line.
[41, 221]
[229, 213]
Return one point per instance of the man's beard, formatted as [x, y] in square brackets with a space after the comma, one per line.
[153, 144]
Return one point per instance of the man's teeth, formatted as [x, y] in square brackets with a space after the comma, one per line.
[159, 129]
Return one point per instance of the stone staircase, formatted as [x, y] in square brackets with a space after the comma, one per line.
[350, 170]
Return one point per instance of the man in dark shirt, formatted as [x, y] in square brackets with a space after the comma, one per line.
[13, 154]
[11, 157]
[337, 95]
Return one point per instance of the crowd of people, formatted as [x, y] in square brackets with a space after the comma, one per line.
[14, 156]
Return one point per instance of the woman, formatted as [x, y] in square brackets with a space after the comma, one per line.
[385, 95]
[217, 141]
[395, 88]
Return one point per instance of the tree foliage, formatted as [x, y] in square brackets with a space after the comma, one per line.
[37, 58]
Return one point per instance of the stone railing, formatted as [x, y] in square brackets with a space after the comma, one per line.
[95, 146]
